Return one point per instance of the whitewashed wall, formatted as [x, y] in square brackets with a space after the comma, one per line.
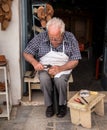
[10, 47]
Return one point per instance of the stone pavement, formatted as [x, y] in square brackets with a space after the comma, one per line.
[33, 118]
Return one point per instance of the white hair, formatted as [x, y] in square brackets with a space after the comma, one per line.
[57, 22]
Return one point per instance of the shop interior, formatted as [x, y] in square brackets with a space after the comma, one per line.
[86, 19]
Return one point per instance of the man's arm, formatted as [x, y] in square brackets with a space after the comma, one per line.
[69, 65]
[30, 58]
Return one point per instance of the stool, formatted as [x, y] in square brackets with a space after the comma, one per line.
[34, 83]
[81, 114]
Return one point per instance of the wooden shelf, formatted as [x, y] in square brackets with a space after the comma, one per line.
[6, 108]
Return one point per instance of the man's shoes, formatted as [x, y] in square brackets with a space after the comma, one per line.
[62, 111]
[50, 111]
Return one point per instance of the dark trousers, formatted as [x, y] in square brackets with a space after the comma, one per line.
[52, 87]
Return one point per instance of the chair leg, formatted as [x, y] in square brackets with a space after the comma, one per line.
[30, 94]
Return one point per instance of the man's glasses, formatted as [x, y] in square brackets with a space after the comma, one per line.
[55, 39]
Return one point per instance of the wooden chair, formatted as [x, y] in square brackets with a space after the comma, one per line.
[34, 83]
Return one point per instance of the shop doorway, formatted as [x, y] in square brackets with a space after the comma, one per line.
[84, 18]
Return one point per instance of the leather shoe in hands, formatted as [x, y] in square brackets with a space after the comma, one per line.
[50, 111]
[62, 111]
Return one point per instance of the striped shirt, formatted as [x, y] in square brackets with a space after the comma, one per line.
[40, 45]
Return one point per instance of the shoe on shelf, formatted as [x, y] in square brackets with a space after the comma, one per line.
[1, 110]
[2, 86]
[50, 111]
[62, 111]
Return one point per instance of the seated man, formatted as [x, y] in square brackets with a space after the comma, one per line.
[60, 50]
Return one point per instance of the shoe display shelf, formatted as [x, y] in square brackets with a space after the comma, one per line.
[5, 94]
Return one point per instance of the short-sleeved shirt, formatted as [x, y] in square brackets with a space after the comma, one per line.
[40, 45]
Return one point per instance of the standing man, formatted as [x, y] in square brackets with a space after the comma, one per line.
[58, 48]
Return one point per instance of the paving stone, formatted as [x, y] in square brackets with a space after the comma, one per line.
[63, 126]
[49, 128]
[50, 124]
[33, 118]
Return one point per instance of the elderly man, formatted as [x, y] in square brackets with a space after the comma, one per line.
[58, 49]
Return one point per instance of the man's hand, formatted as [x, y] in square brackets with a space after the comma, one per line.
[30, 58]
[38, 66]
[54, 70]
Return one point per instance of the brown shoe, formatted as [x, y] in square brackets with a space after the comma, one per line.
[1, 110]
[2, 86]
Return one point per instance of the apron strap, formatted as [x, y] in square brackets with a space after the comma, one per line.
[63, 47]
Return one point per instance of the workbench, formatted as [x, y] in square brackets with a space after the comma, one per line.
[80, 112]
